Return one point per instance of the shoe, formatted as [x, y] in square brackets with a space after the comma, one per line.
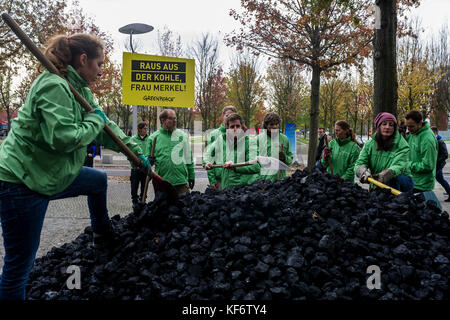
[137, 207]
[104, 240]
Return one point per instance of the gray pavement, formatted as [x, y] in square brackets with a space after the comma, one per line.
[67, 218]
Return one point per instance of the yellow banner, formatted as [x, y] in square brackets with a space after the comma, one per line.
[157, 81]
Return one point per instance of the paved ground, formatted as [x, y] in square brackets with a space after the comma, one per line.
[67, 218]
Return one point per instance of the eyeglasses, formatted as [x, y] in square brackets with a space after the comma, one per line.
[172, 118]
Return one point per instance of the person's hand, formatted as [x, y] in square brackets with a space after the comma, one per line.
[326, 153]
[227, 165]
[90, 155]
[385, 176]
[208, 166]
[363, 173]
[282, 156]
[145, 162]
[191, 184]
[100, 112]
[152, 160]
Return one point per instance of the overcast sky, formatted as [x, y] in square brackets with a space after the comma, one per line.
[190, 19]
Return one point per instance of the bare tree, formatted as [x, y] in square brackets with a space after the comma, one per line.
[170, 45]
[206, 52]
[286, 88]
[245, 86]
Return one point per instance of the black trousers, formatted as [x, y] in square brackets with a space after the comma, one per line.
[137, 177]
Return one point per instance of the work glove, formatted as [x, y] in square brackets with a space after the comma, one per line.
[363, 173]
[282, 156]
[152, 160]
[145, 162]
[385, 176]
[191, 184]
[326, 153]
[100, 112]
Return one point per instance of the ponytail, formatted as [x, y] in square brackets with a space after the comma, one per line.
[64, 50]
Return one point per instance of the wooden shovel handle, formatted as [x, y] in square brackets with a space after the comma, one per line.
[279, 171]
[51, 67]
[329, 159]
[234, 165]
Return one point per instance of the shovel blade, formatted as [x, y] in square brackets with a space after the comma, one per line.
[160, 185]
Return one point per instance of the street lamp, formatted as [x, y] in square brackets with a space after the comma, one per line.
[135, 28]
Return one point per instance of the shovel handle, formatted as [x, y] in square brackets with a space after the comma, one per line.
[329, 159]
[149, 175]
[51, 68]
[382, 185]
[279, 171]
[234, 165]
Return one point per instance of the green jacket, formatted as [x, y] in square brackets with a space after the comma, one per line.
[423, 156]
[378, 160]
[264, 148]
[344, 154]
[216, 172]
[46, 147]
[173, 156]
[222, 151]
[142, 143]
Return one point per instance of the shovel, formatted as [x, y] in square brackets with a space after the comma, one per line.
[159, 184]
[429, 195]
[265, 162]
[329, 159]
[51, 68]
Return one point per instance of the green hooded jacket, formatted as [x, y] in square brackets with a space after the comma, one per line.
[344, 154]
[173, 156]
[46, 146]
[264, 148]
[378, 160]
[423, 155]
[142, 143]
[241, 151]
[216, 172]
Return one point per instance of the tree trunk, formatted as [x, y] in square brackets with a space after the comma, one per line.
[314, 116]
[385, 59]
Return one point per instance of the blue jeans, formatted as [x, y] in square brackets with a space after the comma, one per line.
[22, 213]
[440, 178]
[402, 183]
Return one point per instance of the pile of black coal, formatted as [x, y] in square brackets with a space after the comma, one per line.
[310, 236]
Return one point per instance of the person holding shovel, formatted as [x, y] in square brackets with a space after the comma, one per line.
[214, 175]
[42, 157]
[385, 156]
[268, 142]
[172, 154]
[234, 148]
[342, 152]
